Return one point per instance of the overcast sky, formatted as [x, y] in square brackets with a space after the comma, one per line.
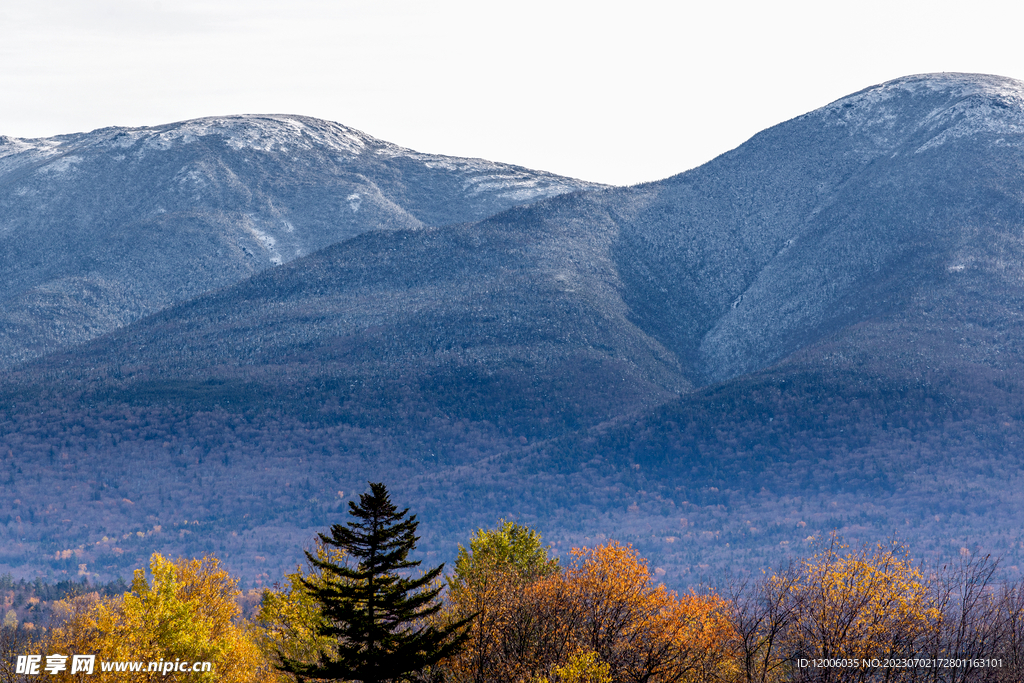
[612, 92]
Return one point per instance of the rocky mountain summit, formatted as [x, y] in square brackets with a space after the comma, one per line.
[99, 229]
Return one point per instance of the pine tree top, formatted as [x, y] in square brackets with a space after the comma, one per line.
[380, 537]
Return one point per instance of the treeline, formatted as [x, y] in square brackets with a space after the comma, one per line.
[512, 613]
[29, 604]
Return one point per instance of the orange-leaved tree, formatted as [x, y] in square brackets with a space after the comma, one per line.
[602, 616]
[643, 631]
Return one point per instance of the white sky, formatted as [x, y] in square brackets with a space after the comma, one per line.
[612, 92]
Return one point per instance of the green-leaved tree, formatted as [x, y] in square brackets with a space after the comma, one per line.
[290, 620]
[511, 548]
[378, 616]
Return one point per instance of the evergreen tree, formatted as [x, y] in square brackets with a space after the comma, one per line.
[378, 617]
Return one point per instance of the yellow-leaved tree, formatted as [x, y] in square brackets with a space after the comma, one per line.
[503, 579]
[186, 611]
[582, 667]
[867, 604]
[290, 619]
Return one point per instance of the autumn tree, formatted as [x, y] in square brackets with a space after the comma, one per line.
[14, 641]
[512, 636]
[867, 604]
[376, 616]
[511, 548]
[290, 620]
[187, 611]
[602, 613]
[582, 667]
[643, 631]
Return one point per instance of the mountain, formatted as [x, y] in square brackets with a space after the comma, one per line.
[818, 329]
[99, 229]
[827, 220]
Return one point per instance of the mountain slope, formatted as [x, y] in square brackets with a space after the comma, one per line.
[99, 229]
[824, 220]
[523, 311]
[844, 214]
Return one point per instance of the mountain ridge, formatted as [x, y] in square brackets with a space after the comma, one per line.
[100, 228]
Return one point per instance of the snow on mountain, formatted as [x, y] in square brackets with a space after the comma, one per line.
[150, 216]
[825, 220]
